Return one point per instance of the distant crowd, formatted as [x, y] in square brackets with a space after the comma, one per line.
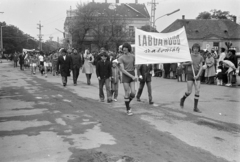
[215, 72]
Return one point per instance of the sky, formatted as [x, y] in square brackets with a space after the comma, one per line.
[26, 14]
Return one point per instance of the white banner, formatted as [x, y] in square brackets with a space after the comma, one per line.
[154, 48]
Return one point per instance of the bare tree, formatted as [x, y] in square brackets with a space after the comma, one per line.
[100, 27]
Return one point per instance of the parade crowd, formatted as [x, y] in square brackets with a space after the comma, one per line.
[111, 68]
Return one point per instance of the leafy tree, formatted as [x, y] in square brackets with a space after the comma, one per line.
[215, 14]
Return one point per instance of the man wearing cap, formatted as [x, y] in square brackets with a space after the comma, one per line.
[76, 65]
[104, 74]
[64, 65]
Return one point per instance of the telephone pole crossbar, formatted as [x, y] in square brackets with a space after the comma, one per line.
[153, 9]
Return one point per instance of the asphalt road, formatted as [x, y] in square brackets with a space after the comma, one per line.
[41, 121]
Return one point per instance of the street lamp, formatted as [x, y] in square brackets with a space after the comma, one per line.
[168, 14]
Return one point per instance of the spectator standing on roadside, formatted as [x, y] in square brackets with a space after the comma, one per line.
[210, 71]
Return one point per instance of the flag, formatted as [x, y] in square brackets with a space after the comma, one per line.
[154, 48]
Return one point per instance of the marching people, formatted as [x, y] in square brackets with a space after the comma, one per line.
[15, 59]
[54, 59]
[33, 63]
[64, 65]
[116, 76]
[104, 74]
[145, 76]
[88, 65]
[210, 70]
[194, 69]
[76, 65]
[21, 61]
[47, 64]
[127, 66]
[41, 62]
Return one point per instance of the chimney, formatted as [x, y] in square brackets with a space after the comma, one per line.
[117, 1]
[105, 1]
[136, 1]
[183, 17]
[235, 19]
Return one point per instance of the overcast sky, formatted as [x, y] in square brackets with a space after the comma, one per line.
[26, 14]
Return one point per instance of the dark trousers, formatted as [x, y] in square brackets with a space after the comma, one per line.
[105, 82]
[54, 67]
[64, 79]
[140, 89]
[21, 66]
[75, 72]
[15, 63]
[88, 78]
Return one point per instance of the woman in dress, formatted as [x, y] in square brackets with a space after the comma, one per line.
[88, 65]
[210, 70]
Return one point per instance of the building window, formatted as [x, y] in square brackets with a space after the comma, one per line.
[216, 45]
[118, 31]
[131, 31]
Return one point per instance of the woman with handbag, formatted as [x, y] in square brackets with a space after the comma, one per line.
[88, 65]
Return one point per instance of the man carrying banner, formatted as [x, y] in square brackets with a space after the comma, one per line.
[194, 69]
[127, 66]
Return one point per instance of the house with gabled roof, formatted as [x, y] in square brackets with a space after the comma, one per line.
[209, 33]
[134, 15]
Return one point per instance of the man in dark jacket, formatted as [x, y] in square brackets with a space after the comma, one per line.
[21, 60]
[76, 65]
[104, 74]
[64, 64]
[145, 76]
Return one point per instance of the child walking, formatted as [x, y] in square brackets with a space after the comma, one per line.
[115, 80]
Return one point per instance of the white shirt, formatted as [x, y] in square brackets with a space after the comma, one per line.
[40, 58]
[64, 57]
[222, 56]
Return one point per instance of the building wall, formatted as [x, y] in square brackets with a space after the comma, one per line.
[208, 44]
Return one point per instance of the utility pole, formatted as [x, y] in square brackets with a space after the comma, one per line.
[40, 35]
[153, 9]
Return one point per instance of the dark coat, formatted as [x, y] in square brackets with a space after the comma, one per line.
[144, 70]
[104, 70]
[21, 59]
[76, 61]
[64, 65]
